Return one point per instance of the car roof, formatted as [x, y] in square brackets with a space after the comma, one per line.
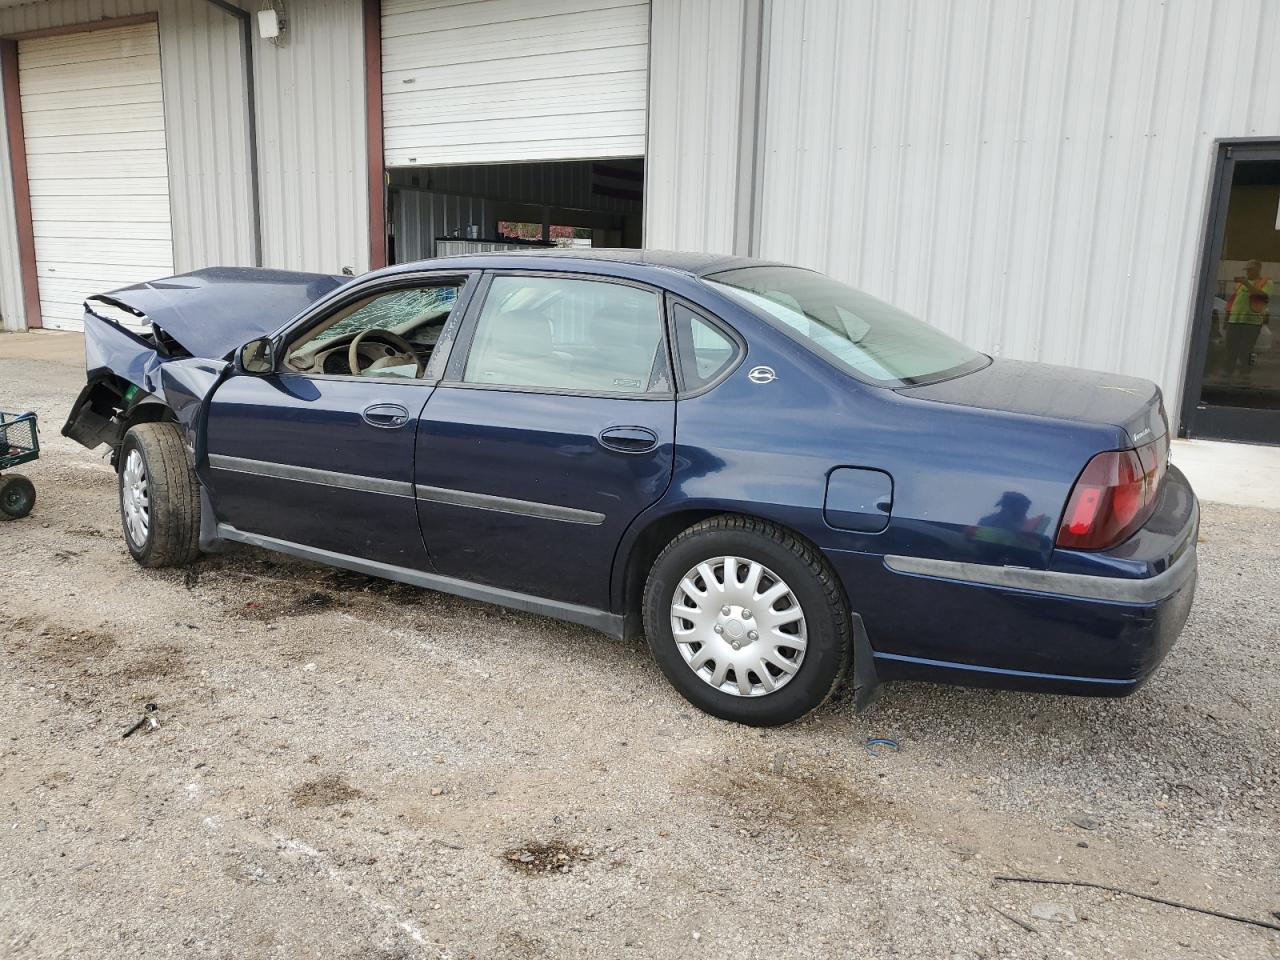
[534, 258]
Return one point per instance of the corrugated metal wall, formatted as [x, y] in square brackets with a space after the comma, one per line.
[701, 55]
[421, 216]
[1029, 176]
[312, 141]
[209, 161]
[311, 136]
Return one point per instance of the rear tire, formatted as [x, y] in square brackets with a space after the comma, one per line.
[17, 496]
[159, 497]
[747, 621]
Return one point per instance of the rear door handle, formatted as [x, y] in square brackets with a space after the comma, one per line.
[388, 416]
[628, 439]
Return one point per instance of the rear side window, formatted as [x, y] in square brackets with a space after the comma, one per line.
[589, 336]
[705, 350]
[868, 337]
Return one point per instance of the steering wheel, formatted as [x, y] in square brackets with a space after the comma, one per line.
[387, 336]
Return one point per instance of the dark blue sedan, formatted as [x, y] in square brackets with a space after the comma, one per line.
[779, 480]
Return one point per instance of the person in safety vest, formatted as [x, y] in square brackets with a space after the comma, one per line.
[1248, 310]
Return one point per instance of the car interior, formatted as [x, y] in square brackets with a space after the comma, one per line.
[389, 335]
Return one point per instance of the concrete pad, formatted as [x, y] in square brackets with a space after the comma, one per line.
[57, 346]
[1243, 474]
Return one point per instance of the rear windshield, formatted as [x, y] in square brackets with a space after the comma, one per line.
[866, 336]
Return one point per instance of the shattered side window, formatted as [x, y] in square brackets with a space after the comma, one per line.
[391, 311]
[388, 334]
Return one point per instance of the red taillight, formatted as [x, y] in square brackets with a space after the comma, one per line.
[1113, 497]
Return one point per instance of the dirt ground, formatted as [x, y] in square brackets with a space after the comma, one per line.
[346, 768]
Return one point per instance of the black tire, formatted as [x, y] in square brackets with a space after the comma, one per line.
[17, 496]
[172, 537]
[829, 644]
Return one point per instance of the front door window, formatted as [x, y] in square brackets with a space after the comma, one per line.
[387, 335]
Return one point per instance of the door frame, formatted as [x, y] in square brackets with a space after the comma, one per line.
[343, 297]
[1196, 419]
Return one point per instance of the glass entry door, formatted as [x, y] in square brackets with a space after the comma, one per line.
[1233, 381]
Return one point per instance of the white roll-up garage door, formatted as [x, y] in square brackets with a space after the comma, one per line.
[93, 117]
[489, 81]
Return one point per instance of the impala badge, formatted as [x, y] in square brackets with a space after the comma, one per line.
[762, 375]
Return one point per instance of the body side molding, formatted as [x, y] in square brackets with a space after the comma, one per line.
[1082, 586]
[324, 478]
[524, 508]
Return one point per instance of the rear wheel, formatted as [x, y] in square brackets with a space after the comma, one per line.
[747, 621]
[17, 496]
[159, 497]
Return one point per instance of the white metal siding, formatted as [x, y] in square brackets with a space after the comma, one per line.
[1028, 176]
[93, 116]
[502, 80]
[692, 163]
[311, 122]
[208, 148]
[312, 140]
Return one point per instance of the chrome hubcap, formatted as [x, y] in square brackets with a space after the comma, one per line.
[738, 626]
[135, 501]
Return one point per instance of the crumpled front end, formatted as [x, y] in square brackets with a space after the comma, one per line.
[156, 350]
[132, 376]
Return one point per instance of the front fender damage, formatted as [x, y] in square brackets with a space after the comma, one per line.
[130, 380]
[186, 386]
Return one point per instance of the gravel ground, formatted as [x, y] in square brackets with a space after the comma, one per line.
[347, 768]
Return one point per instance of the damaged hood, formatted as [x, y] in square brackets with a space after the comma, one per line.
[211, 312]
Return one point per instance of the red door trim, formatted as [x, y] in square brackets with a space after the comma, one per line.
[21, 186]
[373, 133]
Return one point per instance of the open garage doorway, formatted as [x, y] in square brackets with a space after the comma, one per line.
[469, 208]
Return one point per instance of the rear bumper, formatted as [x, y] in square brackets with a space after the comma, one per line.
[1014, 628]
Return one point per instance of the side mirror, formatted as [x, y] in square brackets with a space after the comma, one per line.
[258, 356]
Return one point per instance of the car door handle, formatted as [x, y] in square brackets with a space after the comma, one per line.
[388, 416]
[628, 439]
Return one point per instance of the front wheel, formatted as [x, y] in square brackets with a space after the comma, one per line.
[17, 496]
[159, 497]
[747, 621]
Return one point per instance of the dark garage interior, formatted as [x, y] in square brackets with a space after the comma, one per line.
[436, 211]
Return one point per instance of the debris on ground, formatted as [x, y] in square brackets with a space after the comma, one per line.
[1014, 919]
[317, 599]
[874, 742]
[325, 791]
[553, 857]
[148, 721]
[1142, 896]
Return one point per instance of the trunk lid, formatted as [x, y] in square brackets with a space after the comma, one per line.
[1061, 393]
[212, 312]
